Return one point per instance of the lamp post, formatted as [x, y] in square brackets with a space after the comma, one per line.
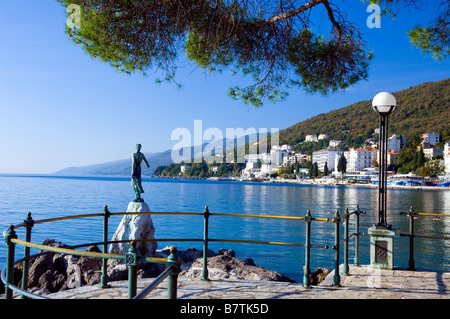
[383, 103]
[382, 234]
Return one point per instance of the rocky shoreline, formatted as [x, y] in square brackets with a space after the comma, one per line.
[54, 272]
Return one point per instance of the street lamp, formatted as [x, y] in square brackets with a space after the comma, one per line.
[383, 103]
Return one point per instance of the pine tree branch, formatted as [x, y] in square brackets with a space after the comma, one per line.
[295, 12]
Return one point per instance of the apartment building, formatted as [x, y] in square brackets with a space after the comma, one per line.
[329, 155]
[447, 158]
[431, 138]
[358, 159]
[395, 143]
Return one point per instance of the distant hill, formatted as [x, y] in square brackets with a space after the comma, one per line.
[123, 167]
[120, 167]
[420, 109]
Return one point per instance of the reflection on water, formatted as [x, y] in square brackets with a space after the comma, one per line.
[54, 197]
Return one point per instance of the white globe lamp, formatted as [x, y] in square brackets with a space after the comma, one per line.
[384, 103]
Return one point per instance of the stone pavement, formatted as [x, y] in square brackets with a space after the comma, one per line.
[363, 282]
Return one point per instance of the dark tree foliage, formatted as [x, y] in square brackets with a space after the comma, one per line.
[342, 164]
[274, 42]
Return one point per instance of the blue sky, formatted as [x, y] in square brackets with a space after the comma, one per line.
[61, 108]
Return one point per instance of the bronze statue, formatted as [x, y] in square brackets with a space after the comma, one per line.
[136, 182]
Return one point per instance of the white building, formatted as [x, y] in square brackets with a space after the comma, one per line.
[395, 143]
[269, 163]
[184, 168]
[447, 158]
[277, 157]
[311, 138]
[288, 160]
[335, 143]
[430, 152]
[292, 158]
[322, 136]
[329, 155]
[286, 147]
[432, 138]
[358, 159]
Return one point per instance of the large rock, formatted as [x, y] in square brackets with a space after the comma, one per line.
[319, 275]
[54, 272]
[227, 267]
[135, 227]
[48, 271]
[188, 256]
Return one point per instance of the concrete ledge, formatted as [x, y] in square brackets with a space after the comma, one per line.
[365, 282]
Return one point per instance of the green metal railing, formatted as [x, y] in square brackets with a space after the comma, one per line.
[172, 262]
[412, 215]
[307, 245]
[206, 239]
[337, 219]
[131, 258]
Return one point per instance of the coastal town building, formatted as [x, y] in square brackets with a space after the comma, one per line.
[293, 158]
[430, 152]
[282, 148]
[447, 158]
[432, 138]
[262, 165]
[358, 159]
[395, 143]
[311, 138]
[214, 169]
[335, 143]
[329, 155]
[184, 168]
[277, 156]
[391, 158]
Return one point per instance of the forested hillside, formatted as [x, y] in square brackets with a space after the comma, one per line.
[420, 109]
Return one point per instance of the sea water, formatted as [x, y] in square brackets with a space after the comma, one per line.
[57, 196]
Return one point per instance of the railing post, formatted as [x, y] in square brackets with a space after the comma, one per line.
[205, 244]
[337, 277]
[10, 261]
[131, 262]
[411, 239]
[307, 270]
[104, 278]
[346, 226]
[173, 261]
[356, 260]
[29, 223]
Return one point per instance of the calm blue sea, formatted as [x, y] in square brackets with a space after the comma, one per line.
[53, 196]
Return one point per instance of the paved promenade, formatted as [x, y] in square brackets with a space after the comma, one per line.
[362, 282]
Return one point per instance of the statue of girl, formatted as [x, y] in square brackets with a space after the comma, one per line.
[136, 181]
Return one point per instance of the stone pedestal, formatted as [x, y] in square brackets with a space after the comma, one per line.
[135, 227]
[381, 247]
